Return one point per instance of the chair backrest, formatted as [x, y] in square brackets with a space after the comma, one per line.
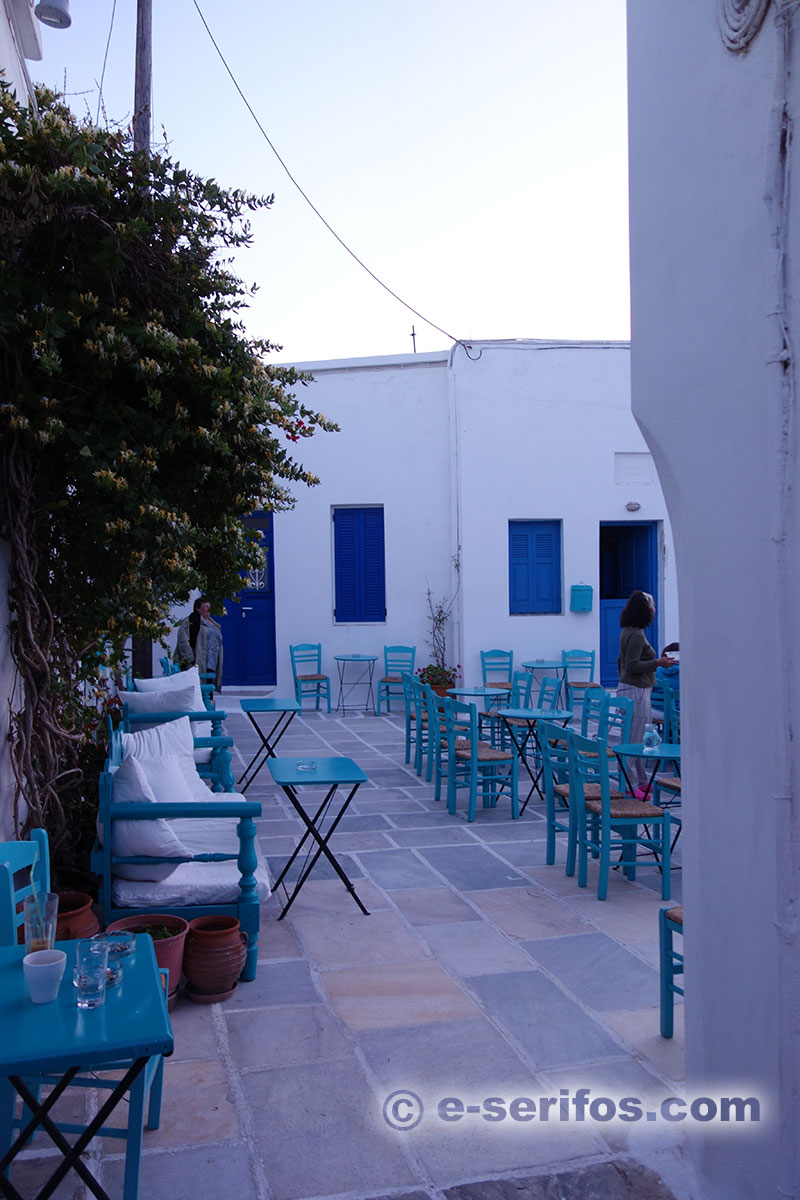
[594, 713]
[619, 719]
[306, 658]
[521, 685]
[578, 660]
[460, 721]
[555, 764]
[549, 693]
[497, 666]
[16, 861]
[399, 660]
[672, 715]
[588, 763]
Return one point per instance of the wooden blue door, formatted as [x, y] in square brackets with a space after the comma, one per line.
[628, 560]
[248, 626]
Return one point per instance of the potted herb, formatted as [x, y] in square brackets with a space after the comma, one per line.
[168, 932]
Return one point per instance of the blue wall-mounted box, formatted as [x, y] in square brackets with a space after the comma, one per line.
[581, 598]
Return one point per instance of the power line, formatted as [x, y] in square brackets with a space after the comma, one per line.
[312, 206]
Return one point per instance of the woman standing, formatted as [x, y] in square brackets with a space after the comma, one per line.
[200, 641]
[637, 664]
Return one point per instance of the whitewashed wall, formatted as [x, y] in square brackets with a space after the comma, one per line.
[709, 395]
[454, 447]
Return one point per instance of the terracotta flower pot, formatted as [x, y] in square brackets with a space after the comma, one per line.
[214, 959]
[76, 918]
[169, 950]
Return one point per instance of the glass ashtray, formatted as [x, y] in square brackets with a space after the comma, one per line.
[306, 764]
[121, 942]
[113, 974]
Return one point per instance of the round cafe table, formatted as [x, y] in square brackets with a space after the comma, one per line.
[667, 752]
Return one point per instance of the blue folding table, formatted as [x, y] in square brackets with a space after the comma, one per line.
[284, 712]
[331, 773]
[58, 1040]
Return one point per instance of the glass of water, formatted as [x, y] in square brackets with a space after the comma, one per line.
[91, 962]
[651, 740]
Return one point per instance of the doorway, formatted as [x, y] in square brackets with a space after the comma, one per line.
[628, 560]
[248, 626]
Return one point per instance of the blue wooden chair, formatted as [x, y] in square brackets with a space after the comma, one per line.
[307, 671]
[560, 815]
[410, 714]
[397, 661]
[575, 689]
[497, 670]
[519, 697]
[467, 761]
[20, 862]
[422, 756]
[549, 693]
[670, 922]
[608, 821]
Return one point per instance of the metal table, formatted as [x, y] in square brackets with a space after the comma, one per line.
[283, 712]
[367, 661]
[289, 774]
[522, 721]
[668, 752]
[60, 1039]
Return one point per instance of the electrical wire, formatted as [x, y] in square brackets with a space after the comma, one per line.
[312, 206]
[105, 60]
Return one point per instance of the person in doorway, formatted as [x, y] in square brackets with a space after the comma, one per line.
[200, 641]
[637, 665]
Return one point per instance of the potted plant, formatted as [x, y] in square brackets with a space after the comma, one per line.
[168, 932]
[439, 676]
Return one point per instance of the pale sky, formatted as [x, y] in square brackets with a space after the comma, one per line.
[474, 156]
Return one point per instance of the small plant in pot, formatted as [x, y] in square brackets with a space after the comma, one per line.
[439, 676]
[168, 932]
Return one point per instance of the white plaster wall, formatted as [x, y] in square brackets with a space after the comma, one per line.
[393, 449]
[707, 400]
[539, 425]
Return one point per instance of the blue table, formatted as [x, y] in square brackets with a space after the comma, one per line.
[517, 719]
[330, 773]
[546, 666]
[367, 661]
[283, 712]
[668, 752]
[59, 1039]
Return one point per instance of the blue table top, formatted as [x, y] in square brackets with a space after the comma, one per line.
[542, 664]
[669, 751]
[133, 1022]
[478, 690]
[536, 714]
[327, 771]
[269, 704]
[356, 657]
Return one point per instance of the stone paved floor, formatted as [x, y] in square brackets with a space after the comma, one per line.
[481, 972]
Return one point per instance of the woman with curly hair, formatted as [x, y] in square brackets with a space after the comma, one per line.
[637, 664]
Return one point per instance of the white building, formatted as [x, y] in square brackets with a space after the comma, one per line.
[714, 99]
[492, 456]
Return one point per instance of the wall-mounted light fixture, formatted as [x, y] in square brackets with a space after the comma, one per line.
[633, 506]
[54, 13]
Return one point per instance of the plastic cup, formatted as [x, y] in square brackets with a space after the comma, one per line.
[43, 972]
[39, 915]
[91, 960]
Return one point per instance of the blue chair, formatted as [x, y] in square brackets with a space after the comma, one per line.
[670, 922]
[421, 729]
[560, 816]
[307, 671]
[410, 713]
[608, 821]
[577, 660]
[397, 661]
[518, 697]
[467, 761]
[18, 862]
[549, 693]
[497, 668]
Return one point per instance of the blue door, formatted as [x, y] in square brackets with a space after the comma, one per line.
[628, 560]
[248, 626]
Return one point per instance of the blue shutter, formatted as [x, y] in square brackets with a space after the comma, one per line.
[359, 570]
[534, 567]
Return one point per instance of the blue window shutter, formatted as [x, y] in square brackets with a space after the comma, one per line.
[359, 568]
[534, 566]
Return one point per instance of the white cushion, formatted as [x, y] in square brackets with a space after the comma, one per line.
[172, 739]
[167, 683]
[172, 700]
[155, 838]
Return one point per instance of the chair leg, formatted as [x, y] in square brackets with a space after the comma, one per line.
[667, 964]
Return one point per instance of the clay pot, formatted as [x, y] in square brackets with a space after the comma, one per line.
[214, 959]
[169, 950]
[76, 918]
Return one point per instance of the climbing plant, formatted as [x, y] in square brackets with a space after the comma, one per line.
[138, 422]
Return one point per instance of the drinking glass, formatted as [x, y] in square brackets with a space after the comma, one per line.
[39, 913]
[91, 958]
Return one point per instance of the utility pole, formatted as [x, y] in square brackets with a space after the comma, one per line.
[142, 648]
[143, 82]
